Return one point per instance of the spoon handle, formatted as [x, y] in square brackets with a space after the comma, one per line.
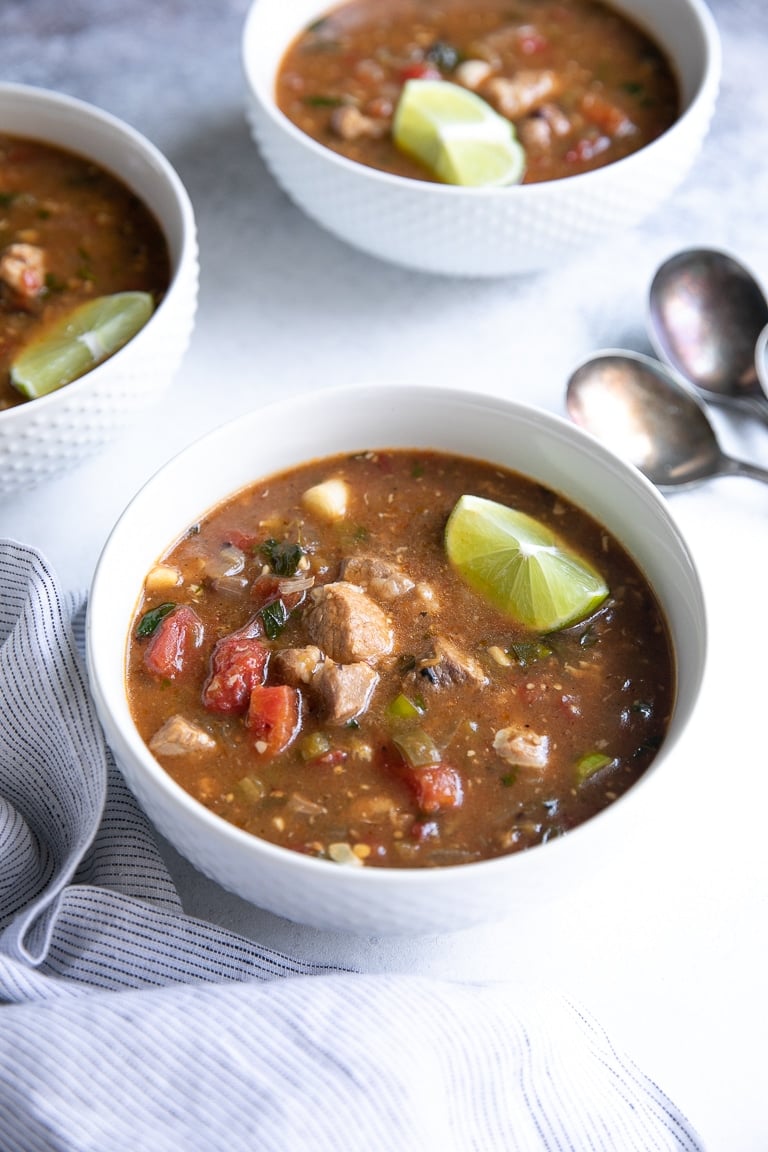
[744, 468]
[756, 406]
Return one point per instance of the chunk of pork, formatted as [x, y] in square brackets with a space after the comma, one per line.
[445, 664]
[22, 272]
[347, 624]
[376, 576]
[522, 747]
[344, 690]
[296, 666]
[340, 692]
[537, 131]
[350, 123]
[178, 737]
[521, 94]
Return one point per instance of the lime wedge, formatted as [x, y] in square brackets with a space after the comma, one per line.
[457, 135]
[520, 566]
[79, 341]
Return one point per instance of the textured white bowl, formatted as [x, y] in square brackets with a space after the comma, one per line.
[472, 231]
[42, 438]
[373, 900]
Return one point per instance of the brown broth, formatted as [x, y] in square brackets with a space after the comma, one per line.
[603, 686]
[610, 88]
[96, 236]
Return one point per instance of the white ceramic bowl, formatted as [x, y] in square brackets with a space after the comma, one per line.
[471, 231]
[378, 901]
[42, 438]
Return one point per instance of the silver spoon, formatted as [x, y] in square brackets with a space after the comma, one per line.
[639, 408]
[706, 312]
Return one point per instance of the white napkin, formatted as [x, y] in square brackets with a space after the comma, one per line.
[130, 1026]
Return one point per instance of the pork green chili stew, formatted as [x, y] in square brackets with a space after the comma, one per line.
[70, 233]
[580, 83]
[309, 664]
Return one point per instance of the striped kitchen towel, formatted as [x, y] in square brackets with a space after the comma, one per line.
[127, 1025]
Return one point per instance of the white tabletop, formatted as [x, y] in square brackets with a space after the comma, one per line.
[671, 952]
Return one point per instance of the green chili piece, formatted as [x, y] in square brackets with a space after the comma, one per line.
[403, 708]
[592, 762]
[323, 101]
[313, 745]
[150, 620]
[529, 652]
[251, 789]
[417, 747]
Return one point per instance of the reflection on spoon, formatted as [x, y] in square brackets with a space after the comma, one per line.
[644, 414]
[761, 359]
[706, 312]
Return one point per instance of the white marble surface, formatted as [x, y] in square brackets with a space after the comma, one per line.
[671, 952]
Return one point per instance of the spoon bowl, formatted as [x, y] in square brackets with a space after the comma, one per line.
[649, 417]
[706, 312]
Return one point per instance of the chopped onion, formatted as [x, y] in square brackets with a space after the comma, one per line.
[290, 584]
[229, 585]
[304, 806]
[229, 562]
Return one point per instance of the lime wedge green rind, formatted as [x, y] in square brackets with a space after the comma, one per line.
[459, 137]
[79, 341]
[519, 565]
[478, 163]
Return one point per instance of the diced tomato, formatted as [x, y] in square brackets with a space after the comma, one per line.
[380, 108]
[421, 70]
[266, 589]
[177, 634]
[531, 41]
[238, 665]
[245, 541]
[274, 717]
[609, 118]
[329, 759]
[437, 786]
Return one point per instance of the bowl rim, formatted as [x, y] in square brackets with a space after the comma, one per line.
[183, 267]
[703, 96]
[100, 653]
